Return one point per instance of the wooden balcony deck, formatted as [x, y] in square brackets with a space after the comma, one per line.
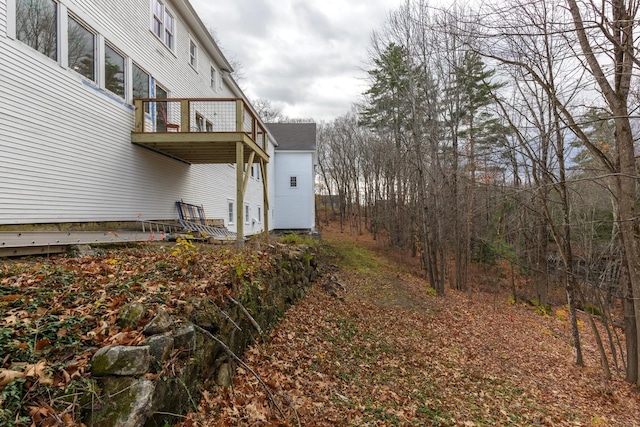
[207, 130]
[200, 130]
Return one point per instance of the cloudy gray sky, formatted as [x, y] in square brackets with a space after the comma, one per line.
[305, 56]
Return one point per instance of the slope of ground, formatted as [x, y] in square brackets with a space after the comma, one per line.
[55, 312]
[386, 351]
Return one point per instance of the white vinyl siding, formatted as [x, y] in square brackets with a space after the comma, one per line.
[213, 78]
[294, 204]
[66, 144]
[7, 28]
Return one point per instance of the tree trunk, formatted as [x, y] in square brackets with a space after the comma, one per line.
[626, 196]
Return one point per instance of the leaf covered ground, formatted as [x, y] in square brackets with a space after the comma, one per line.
[56, 312]
[377, 349]
[387, 352]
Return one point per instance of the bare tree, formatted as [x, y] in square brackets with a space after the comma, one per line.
[267, 112]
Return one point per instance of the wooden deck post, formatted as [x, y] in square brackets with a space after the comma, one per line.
[185, 116]
[254, 129]
[139, 115]
[239, 195]
[239, 115]
[265, 196]
[265, 140]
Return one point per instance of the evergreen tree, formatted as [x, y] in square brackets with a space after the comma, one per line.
[387, 95]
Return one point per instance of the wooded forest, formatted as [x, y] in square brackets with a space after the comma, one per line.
[503, 133]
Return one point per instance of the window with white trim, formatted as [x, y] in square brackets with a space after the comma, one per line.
[246, 213]
[260, 214]
[82, 48]
[113, 71]
[293, 181]
[193, 54]
[200, 122]
[230, 211]
[37, 25]
[163, 23]
[140, 83]
[168, 30]
[158, 19]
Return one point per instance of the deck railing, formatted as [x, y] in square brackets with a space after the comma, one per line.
[155, 115]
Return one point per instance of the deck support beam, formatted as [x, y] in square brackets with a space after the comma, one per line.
[265, 196]
[239, 194]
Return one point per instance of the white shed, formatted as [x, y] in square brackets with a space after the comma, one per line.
[294, 180]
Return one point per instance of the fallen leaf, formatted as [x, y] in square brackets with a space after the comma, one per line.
[7, 376]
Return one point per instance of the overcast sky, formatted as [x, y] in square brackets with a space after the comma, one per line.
[305, 56]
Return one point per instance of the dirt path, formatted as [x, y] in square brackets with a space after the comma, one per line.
[386, 352]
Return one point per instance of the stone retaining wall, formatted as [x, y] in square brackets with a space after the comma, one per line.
[143, 385]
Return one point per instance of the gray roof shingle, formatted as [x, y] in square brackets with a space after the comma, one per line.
[294, 136]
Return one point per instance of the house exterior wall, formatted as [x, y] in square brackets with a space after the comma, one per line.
[65, 142]
[294, 207]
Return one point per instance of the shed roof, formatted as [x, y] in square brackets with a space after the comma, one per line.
[294, 136]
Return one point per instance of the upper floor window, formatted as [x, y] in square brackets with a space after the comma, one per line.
[193, 54]
[37, 25]
[82, 47]
[163, 24]
[158, 18]
[293, 181]
[168, 30]
[113, 71]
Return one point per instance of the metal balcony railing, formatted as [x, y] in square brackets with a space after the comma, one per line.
[190, 115]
